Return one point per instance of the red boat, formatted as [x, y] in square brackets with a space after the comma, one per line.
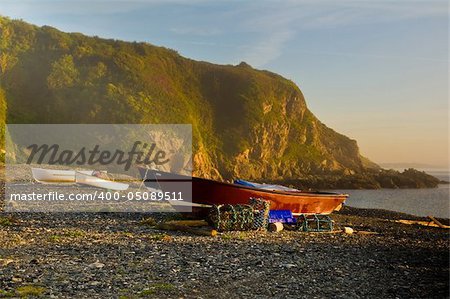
[205, 191]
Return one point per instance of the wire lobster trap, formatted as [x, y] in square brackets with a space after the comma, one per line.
[252, 216]
[314, 223]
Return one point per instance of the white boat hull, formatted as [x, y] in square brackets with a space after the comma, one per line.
[86, 179]
[49, 176]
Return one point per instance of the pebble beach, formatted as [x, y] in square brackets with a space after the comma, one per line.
[119, 255]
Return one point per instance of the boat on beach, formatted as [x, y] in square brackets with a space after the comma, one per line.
[210, 192]
[49, 176]
[94, 181]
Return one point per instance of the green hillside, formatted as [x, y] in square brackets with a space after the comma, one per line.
[246, 123]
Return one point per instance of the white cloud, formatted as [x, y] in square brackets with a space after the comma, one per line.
[266, 49]
[275, 23]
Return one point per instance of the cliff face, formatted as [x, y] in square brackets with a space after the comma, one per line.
[246, 123]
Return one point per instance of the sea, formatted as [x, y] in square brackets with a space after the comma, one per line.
[419, 202]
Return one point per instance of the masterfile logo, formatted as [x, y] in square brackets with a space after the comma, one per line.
[97, 168]
[140, 153]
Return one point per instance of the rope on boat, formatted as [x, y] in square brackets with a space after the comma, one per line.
[144, 178]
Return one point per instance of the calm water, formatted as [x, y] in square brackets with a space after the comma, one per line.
[421, 202]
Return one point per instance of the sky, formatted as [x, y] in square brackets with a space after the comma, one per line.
[376, 71]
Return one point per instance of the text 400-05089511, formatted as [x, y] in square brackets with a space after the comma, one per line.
[99, 196]
[141, 196]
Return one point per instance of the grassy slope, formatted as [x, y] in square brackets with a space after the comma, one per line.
[246, 122]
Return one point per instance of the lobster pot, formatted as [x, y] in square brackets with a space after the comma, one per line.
[261, 209]
[231, 217]
[315, 223]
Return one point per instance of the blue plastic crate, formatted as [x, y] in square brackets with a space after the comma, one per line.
[283, 216]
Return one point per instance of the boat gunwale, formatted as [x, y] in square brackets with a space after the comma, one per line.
[299, 193]
[99, 180]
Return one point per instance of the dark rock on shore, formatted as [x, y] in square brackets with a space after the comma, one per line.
[374, 179]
